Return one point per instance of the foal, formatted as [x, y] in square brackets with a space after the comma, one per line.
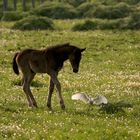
[48, 61]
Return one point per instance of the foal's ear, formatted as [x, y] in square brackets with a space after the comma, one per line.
[83, 49]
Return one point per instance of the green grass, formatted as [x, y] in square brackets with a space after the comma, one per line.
[110, 67]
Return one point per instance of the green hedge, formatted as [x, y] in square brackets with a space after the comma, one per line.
[34, 23]
[56, 10]
[86, 9]
[133, 22]
[11, 16]
[76, 2]
[112, 12]
[97, 24]
[94, 10]
[87, 25]
[1, 14]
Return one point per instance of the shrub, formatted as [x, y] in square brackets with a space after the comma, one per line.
[86, 9]
[102, 24]
[132, 1]
[134, 22]
[11, 16]
[56, 10]
[75, 2]
[98, 24]
[87, 25]
[34, 23]
[1, 14]
[112, 12]
[110, 24]
[1, 7]
[113, 2]
[124, 23]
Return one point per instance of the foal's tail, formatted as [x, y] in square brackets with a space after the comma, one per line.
[15, 66]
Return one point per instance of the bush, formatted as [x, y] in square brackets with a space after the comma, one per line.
[56, 10]
[102, 25]
[97, 24]
[86, 9]
[75, 2]
[87, 25]
[113, 2]
[132, 1]
[11, 16]
[1, 14]
[110, 24]
[1, 7]
[134, 22]
[112, 12]
[34, 23]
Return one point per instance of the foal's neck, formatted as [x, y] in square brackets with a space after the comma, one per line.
[65, 52]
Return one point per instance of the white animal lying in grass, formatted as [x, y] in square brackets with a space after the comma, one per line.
[99, 100]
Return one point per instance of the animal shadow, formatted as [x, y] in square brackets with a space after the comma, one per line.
[112, 108]
[33, 84]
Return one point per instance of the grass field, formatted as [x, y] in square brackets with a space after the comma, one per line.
[110, 66]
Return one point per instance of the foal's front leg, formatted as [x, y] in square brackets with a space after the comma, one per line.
[58, 86]
[51, 89]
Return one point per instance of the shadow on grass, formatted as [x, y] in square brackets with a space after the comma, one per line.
[33, 84]
[94, 111]
[112, 108]
[10, 109]
[90, 111]
[13, 107]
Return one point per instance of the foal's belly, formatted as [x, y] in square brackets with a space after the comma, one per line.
[38, 65]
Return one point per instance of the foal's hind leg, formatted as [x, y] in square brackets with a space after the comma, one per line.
[58, 86]
[51, 89]
[26, 87]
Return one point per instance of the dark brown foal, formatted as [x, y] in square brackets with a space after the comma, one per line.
[48, 61]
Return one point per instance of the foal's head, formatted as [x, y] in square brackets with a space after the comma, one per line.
[75, 58]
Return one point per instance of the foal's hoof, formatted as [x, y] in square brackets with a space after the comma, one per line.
[33, 106]
[63, 107]
[49, 106]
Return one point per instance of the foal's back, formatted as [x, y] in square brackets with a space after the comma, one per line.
[31, 60]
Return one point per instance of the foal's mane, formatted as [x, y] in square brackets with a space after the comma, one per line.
[59, 46]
